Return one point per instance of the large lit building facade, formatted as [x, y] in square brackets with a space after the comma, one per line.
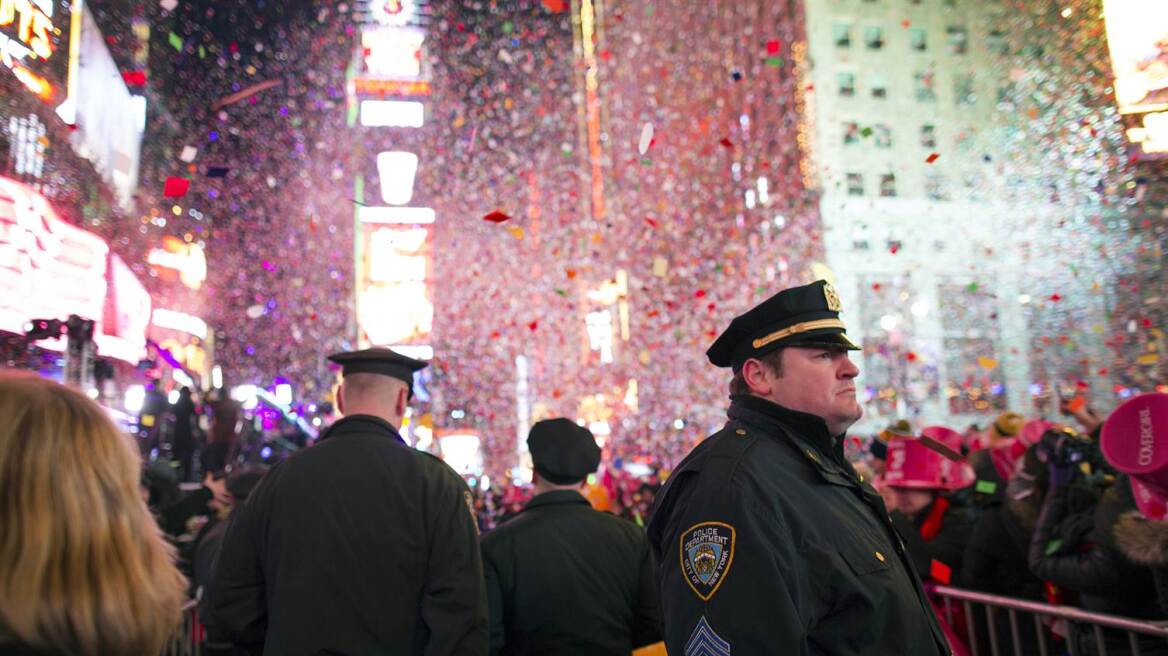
[946, 230]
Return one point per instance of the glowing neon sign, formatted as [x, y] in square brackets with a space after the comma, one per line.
[29, 41]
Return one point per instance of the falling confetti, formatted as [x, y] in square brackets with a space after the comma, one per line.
[175, 187]
[646, 138]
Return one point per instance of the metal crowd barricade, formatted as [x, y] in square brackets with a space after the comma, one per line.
[186, 640]
[1080, 624]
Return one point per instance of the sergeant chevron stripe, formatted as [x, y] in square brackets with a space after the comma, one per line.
[705, 642]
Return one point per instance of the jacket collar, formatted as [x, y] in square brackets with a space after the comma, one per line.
[804, 429]
[556, 498]
[361, 424]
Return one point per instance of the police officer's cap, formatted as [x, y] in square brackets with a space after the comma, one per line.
[799, 316]
[379, 360]
[562, 452]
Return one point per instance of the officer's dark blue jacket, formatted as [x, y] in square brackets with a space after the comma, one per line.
[767, 542]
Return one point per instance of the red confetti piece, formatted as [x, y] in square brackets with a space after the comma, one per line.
[554, 6]
[772, 47]
[175, 187]
[497, 217]
[1147, 323]
[1056, 298]
[940, 571]
[893, 248]
[932, 158]
[533, 325]
[910, 356]
[726, 143]
[496, 334]
[651, 222]
[699, 293]
[134, 78]
[571, 273]
[905, 23]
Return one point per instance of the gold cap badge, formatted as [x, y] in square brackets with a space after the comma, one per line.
[832, 298]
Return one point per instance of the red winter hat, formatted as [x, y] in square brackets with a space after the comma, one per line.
[911, 464]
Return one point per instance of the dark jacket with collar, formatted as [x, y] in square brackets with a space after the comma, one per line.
[563, 578]
[943, 553]
[357, 545]
[767, 542]
[1092, 564]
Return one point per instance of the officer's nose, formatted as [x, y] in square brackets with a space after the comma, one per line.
[848, 369]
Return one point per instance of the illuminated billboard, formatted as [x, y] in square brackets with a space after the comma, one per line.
[110, 120]
[35, 40]
[180, 259]
[127, 316]
[50, 269]
[394, 305]
[392, 53]
[1137, 35]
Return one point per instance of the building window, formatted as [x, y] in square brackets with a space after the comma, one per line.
[882, 135]
[847, 84]
[973, 186]
[928, 136]
[923, 86]
[851, 133]
[1006, 92]
[935, 187]
[958, 39]
[918, 39]
[963, 94]
[879, 85]
[996, 41]
[874, 37]
[888, 185]
[855, 184]
[842, 35]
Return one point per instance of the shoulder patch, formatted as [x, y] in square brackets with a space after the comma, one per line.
[704, 641]
[706, 552]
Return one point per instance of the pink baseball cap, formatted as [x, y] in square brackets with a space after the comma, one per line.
[1135, 441]
[1032, 430]
[914, 465]
[946, 436]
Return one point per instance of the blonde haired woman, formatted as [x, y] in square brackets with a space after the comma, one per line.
[83, 567]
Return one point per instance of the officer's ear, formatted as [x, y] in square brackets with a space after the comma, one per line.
[340, 396]
[403, 400]
[759, 377]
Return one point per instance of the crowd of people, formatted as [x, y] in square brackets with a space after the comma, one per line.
[855, 533]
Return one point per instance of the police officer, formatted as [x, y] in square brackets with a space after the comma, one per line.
[766, 540]
[563, 578]
[359, 544]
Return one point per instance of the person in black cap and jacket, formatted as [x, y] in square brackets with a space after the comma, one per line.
[765, 538]
[359, 544]
[563, 578]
